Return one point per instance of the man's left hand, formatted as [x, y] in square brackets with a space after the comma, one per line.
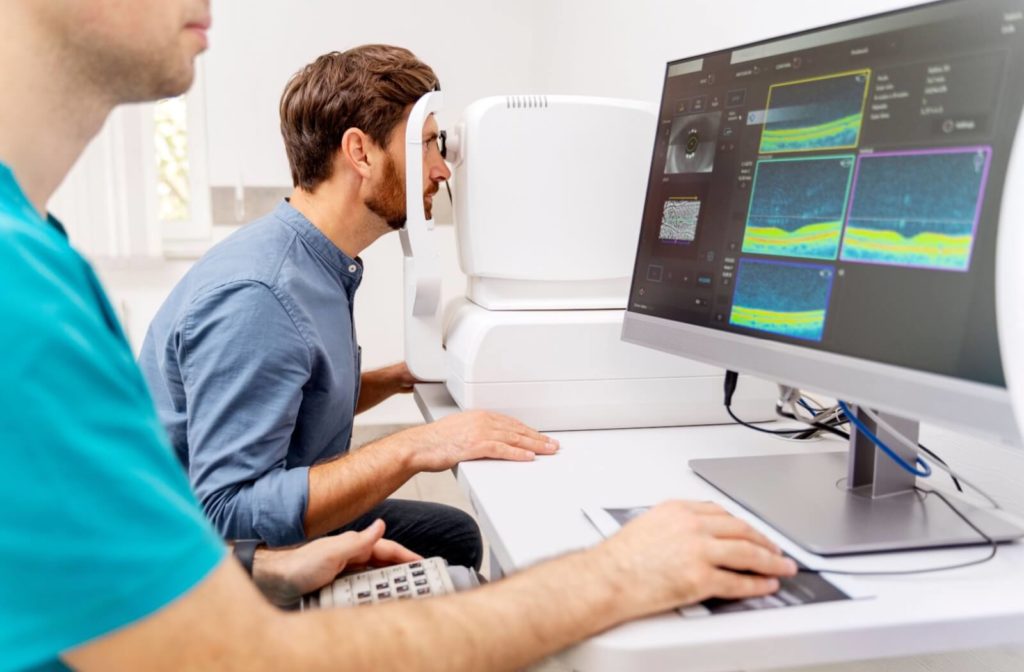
[285, 575]
[380, 384]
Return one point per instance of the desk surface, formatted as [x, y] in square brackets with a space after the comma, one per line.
[532, 511]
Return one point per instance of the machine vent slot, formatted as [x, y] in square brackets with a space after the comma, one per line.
[525, 102]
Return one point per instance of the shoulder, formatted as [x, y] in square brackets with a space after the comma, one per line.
[254, 253]
[244, 316]
[53, 290]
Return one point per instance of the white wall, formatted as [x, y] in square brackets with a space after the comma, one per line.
[477, 47]
[620, 49]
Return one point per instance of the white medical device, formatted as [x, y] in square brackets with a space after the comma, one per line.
[549, 192]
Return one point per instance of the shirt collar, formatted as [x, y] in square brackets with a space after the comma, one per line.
[350, 271]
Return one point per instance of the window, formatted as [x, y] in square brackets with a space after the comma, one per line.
[178, 188]
[170, 137]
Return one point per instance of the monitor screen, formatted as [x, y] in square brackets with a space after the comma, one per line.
[840, 189]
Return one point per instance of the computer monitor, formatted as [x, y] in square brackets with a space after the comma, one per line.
[823, 211]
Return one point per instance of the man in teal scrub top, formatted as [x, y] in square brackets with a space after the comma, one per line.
[106, 561]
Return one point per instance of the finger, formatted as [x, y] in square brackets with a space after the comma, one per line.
[730, 527]
[356, 547]
[387, 552]
[527, 442]
[705, 508]
[518, 427]
[343, 550]
[733, 586]
[374, 532]
[743, 556]
[502, 451]
[534, 435]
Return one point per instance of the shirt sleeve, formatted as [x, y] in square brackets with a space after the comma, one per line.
[98, 527]
[244, 365]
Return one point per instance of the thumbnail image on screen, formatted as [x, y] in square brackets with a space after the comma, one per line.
[679, 220]
[785, 298]
[692, 140]
[816, 113]
[916, 208]
[797, 206]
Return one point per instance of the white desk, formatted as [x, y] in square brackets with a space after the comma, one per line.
[531, 511]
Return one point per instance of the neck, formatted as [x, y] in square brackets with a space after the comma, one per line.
[335, 209]
[49, 114]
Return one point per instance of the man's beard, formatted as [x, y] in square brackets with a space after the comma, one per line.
[388, 202]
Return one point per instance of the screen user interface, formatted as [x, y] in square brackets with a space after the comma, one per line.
[839, 189]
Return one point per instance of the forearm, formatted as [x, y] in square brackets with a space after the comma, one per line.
[503, 626]
[380, 384]
[344, 489]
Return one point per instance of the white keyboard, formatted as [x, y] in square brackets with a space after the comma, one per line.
[409, 581]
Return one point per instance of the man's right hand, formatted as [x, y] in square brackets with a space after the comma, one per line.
[474, 435]
[680, 553]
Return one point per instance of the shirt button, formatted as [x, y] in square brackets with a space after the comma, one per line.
[352, 268]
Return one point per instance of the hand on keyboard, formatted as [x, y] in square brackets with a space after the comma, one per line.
[286, 575]
[409, 581]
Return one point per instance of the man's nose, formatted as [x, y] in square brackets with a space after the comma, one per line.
[439, 172]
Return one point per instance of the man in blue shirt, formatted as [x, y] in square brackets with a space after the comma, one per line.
[106, 561]
[253, 360]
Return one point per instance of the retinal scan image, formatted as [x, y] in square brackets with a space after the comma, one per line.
[692, 140]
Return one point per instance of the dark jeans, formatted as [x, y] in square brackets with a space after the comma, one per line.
[428, 529]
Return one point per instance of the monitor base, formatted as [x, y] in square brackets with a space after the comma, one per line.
[805, 498]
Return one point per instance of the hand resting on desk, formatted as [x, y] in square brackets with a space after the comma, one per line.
[474, 435]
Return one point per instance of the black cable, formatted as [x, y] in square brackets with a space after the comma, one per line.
[938, 459]
[728, 409]
[831, 428]
[994, 548]
[729, 387]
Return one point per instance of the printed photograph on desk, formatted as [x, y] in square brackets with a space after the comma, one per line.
[804, 588]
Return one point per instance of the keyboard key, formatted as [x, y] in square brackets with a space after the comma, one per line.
[423, 591]
[421, 582]
[400, 579]
[415, 565]
[418, 572]
[383, 586]
[402, 589]
[363, 595]
[384, 594]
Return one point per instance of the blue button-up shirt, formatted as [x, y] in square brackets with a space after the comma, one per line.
[254, 367]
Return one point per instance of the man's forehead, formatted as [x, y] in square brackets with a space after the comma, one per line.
[430, 127]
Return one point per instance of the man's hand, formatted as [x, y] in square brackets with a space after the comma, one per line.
[285, 575]
[680, 553]
[380, 384]
[473, 435]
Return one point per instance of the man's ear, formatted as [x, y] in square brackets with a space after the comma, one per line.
[357, 150]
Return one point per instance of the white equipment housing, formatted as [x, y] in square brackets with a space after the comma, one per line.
[549, 192]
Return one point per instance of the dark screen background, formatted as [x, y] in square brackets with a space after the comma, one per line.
[949, 83]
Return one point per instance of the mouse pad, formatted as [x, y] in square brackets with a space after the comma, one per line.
[807, 587]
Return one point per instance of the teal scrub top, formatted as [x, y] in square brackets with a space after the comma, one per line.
[98, 526]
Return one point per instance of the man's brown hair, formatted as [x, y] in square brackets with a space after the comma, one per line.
[367, 87]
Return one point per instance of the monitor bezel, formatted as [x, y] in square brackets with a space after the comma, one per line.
[952, 402]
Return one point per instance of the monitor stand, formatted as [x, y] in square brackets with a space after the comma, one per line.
[841, 503]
